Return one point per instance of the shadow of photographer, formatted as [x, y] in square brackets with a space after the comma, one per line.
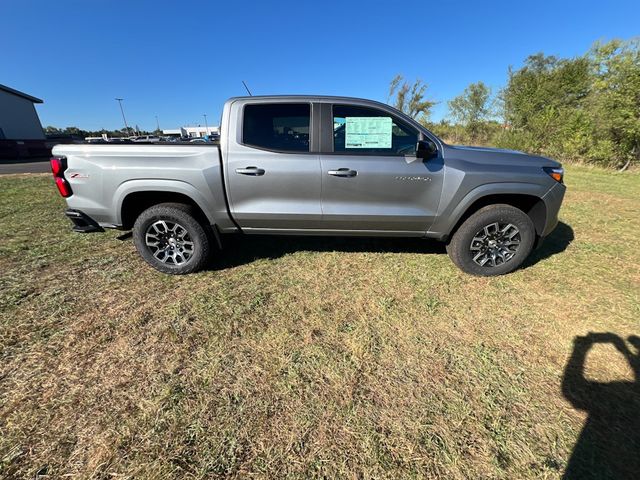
[609, 444]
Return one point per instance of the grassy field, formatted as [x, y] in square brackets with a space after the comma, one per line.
[303, 357]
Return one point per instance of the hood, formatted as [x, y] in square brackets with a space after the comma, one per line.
[496, 156]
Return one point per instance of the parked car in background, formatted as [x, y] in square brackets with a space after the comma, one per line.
[95, 140]
[146, 139]
[313, 166]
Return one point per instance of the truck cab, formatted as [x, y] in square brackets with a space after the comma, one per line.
[294, 165]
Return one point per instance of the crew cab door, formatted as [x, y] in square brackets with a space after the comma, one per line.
[371, 178]
[273, 179]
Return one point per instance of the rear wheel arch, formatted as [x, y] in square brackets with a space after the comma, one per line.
[134, 203]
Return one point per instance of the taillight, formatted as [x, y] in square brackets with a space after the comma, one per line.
[63, 187]
[58, 166]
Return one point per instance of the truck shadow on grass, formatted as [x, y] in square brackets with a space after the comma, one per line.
[609, 444]
[556, 243]
[244, 249]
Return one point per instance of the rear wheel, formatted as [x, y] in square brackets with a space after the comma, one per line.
[493, 241]
[169, 237]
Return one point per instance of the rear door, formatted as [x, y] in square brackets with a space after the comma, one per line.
[371, 178]
[273, 177]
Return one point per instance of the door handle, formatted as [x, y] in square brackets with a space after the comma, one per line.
[343, 172]
[253, 171]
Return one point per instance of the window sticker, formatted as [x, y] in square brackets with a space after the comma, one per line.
[368, 132]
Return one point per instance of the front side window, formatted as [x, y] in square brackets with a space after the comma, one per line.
[367, 130]
[277, 126]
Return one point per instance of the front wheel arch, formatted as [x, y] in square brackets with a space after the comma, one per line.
[531, 205]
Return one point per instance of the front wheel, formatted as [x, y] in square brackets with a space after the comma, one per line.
[493, 241]
[169, 237]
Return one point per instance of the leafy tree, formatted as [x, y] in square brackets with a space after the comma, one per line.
[543, 106]
[410, 99]
[49, 130]
[614, 103]
[472, 109]
[585, 108]
[76, 131]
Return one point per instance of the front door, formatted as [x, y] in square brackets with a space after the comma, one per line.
[371, 178]
[273, 179]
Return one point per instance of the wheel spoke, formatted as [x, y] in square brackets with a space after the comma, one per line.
[476, 243]
[152, 240]
[478, 258]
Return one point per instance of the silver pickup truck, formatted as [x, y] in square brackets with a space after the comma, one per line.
[313, 165]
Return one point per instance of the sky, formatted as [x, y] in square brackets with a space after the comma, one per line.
[180, 60]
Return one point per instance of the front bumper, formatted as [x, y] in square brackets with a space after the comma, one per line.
[553, 200]
[82, 222]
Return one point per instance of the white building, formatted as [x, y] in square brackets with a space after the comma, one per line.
[193, 132]
[18, 117]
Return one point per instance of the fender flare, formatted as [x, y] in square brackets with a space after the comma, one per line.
[448, 219]
[160, 185]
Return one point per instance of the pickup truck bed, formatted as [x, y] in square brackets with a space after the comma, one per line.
[107, 180]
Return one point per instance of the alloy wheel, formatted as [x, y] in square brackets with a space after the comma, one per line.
[495, 244]
[169, 242]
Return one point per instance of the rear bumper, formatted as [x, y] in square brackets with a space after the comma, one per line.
[82, 222]
[553, 200]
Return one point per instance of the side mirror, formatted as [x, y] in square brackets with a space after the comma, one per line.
[426, 149]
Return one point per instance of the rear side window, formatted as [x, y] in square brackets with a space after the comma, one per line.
[360, 130]
[278, 126]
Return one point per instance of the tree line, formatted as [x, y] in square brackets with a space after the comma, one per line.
[584, 109]
[80, 133]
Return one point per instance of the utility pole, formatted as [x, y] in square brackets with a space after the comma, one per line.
[206, 128]
[157, 124]
[123, 117]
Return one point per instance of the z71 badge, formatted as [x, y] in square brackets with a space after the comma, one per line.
[78, 175]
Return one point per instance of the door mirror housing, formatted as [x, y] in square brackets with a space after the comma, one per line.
[426, 149]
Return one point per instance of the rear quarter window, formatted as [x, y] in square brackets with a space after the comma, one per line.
[281, 127]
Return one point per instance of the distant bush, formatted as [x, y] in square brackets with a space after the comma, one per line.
[583, 109]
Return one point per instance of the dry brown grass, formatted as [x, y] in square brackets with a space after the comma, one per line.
[298, 357]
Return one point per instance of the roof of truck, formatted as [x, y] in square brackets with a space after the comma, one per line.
[331, 98]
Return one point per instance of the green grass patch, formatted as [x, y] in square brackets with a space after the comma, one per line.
[303, 357]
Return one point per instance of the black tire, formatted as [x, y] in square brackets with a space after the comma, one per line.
[472, 244]
[177, 258]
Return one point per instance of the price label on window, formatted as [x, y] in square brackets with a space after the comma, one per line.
[368, 132]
